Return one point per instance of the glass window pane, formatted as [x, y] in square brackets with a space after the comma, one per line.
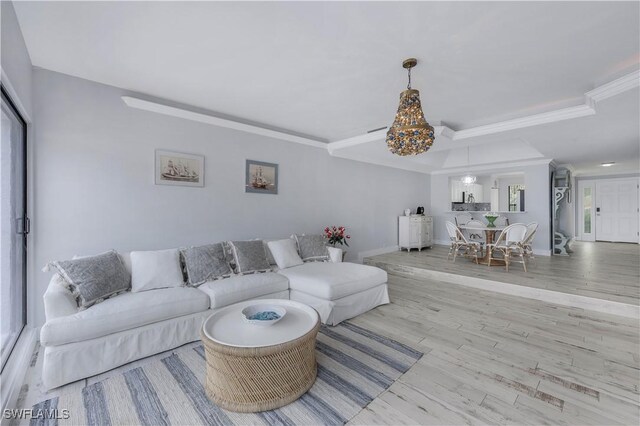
[12, 240]
[586, 203]
[587, 221]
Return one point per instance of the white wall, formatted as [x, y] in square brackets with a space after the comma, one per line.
[537, 203]
[14, 59]
[95, 180]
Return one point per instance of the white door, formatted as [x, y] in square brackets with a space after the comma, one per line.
[617, 210]
[586, 210]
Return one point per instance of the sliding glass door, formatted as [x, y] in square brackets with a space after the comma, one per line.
[14, 226]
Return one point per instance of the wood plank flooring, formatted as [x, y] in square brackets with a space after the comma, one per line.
[498, 359]
[608, 271]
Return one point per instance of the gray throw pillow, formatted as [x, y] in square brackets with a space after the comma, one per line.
[249, 256]
[95, 278]
[205, 263]
[228, 252]
[312, 248]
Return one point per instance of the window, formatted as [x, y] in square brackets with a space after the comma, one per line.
[586, 209]
[516, 198]
[13, 226]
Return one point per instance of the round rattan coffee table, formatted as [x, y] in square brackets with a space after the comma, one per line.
[252, 368]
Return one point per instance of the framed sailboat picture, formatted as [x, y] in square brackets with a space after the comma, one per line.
[261, 177]
[176, 168]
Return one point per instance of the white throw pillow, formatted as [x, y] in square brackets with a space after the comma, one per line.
[285, 253]
[155, 269]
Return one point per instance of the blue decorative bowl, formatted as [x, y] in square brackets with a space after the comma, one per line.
[263, 315]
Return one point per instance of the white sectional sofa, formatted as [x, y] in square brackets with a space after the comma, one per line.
[338, 291]
[130, 326]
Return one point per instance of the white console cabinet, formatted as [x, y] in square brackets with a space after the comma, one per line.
[415, 232]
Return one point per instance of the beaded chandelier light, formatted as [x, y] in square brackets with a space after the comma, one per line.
[410, 134]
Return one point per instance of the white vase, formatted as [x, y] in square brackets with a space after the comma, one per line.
[407, 212]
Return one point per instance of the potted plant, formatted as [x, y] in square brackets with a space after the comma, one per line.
[491, 217]
[337, 235]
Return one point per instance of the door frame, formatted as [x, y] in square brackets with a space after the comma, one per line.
[582, 184]
[637, 180]
[18, 113]
[580, 235]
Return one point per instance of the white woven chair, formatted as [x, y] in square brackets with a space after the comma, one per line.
[502, 220]
[527, 243]
[460, 243]
[509, 244]
[476, 235]
[463, 219]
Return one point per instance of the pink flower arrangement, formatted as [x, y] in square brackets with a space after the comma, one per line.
[336, 235]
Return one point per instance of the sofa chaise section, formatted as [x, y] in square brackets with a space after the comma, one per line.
[338, 291]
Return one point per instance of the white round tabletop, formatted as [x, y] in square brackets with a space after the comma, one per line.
[228, 326]
[482, 228]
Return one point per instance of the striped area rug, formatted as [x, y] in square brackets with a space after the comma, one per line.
[354, 366]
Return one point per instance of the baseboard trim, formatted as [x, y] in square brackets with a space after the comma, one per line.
[375, 252]
[549, 296]
[16, 367]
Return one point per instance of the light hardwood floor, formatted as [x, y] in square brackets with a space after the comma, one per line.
[608, 271]
[498, 359]
[492, 359]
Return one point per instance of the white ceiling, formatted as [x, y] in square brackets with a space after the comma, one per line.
[333, 70]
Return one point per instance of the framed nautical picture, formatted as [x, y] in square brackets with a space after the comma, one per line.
[176, 168]
[261, 177]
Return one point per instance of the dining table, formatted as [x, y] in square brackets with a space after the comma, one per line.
[489, 234]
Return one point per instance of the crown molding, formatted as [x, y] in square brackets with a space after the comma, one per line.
[493, 166]
[159, 108]
[445, 131]
[608, 90]
[357, 140]
[615, 87]
[529, 121]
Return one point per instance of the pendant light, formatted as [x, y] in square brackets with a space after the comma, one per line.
[410, 134]
[468, 179]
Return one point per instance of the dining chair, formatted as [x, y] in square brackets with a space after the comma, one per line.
[509, 244]
[527, 243]
[502, 220]
[476, 235]
[463, 218]
[459, 242]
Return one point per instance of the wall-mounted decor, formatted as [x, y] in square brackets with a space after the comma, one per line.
[176, 168]
[261, 178]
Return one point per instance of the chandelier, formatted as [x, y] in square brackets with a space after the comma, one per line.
[468, 179]
[410, 134]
